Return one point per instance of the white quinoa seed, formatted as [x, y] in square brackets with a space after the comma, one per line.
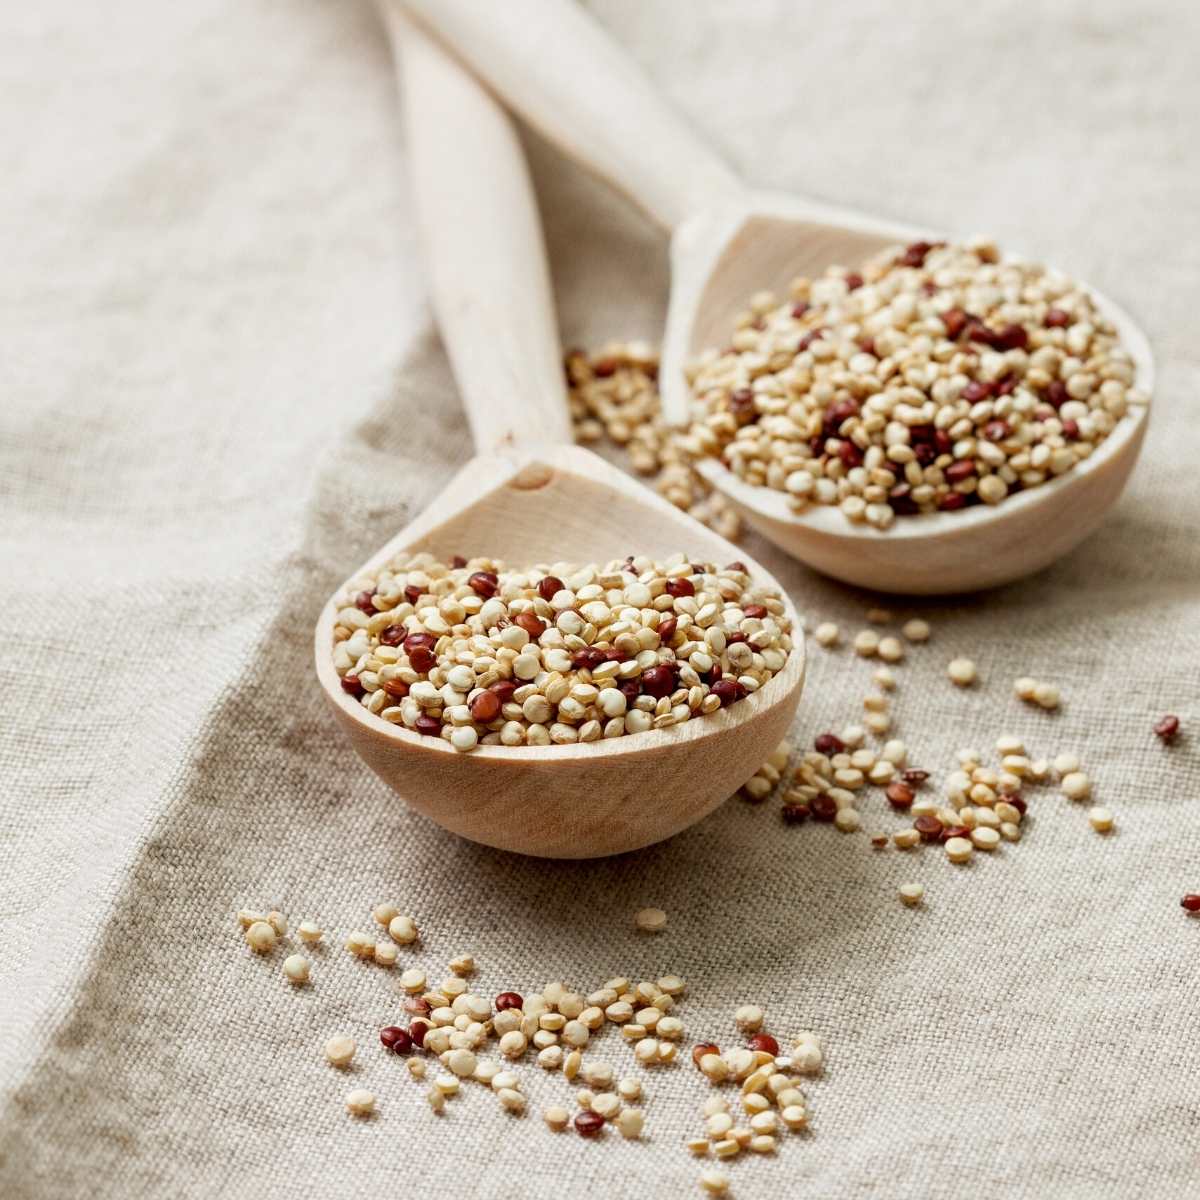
[827, 634]
[413, 980]
[1101, 819]
[749, 1018]
[631, 1122]
[1076, 785]
[402, 929]
[261, 938]
[1065, 764]
[884, 678]
[383, 914]
[916, 630]
[277, 922]
[462, 1063]
[361, 945]
[847, 820]
[339, 1050]
[912, 893]
[959, 849]
[985, 838]
[360, 1102]
[650, 920]
[295, 967]
[866, 643]
[962, 672]
[556, 1117]
[714, 1182]
[309, 932]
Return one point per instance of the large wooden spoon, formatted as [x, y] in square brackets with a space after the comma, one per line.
[528, 498]
[553, 64]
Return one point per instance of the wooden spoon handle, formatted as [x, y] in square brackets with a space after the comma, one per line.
[566, 76]
[486, 258]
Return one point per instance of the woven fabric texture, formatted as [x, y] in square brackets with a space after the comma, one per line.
[221, 391]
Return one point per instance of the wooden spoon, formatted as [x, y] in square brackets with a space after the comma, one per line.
[526, 499]
[567, 77]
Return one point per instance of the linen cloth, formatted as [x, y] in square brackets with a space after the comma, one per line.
[221, 391]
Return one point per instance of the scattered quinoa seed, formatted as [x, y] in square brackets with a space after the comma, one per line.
[402, 929]
[361, 945]
[916, 630]
[827, 634]
[650, 920]
[962, 672]
[340, 1050]
[1076, 785]
[308, 932]
[261, 937]
[1166, 729]
[959, 849]
[360, 1102]
[912, 893]
[295, 967]
[866, 643]
[1101, 819]
[556, 1117]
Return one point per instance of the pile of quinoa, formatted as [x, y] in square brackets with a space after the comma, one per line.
[480, 653]
[932, 378]
[613, 395]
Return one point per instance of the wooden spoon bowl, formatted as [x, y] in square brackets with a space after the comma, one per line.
[763, 243]
[582, 800]
[527, 500]
[557, 67]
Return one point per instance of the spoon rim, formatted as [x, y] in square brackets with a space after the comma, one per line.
[828, 519]
[778, 689]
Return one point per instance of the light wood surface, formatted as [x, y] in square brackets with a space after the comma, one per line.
[552, 63]
[532, 503]
[729, 242]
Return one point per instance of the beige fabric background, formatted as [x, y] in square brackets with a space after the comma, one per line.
[220, 390]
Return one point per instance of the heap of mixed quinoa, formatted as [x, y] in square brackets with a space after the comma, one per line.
[933, 378]
[480, 653]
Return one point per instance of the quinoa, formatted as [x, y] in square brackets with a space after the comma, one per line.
[479, 653]
[932, 378]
